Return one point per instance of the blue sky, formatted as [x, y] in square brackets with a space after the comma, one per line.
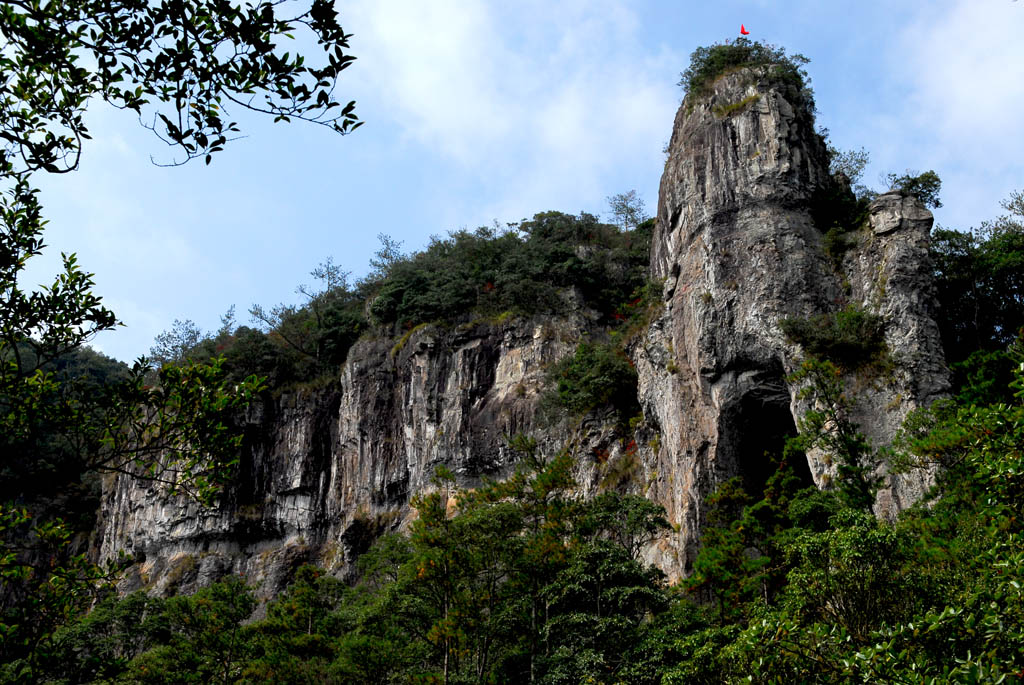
[479, 111]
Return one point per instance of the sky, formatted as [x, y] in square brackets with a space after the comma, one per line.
[479, 111]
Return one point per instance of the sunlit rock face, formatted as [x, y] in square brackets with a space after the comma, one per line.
[738, 249]
[326, 470]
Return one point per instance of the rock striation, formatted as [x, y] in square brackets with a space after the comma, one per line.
[738, 249]
[325, 471]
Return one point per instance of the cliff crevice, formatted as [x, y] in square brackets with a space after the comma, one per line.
[738, 250]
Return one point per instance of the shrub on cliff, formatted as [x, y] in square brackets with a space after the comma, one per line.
[851, 337]
[710, 62]
[487, 272]
[924, 186]
[597, 375]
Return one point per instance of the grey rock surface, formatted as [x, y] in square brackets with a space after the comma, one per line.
[738, 249]
[325, 471]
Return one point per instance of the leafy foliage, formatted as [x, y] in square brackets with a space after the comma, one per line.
[510, 582]
[828, 426]
[979, 286]
[982, 378]
[44, 585]
[530, 270]
[708, 63]
[627, 210]
[179, 65]
[838, 207]
[849, 163]
[101, 645]
[724, 572]
[850, 337]
[315, 337]
[517, 581]
[174, 345]
[208, 642]
[536, 268]
[67, 416]
[596, 375]
[513, 581]
[935, 596]
[925, 186]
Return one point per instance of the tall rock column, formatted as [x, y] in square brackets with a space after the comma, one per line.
[738, 250]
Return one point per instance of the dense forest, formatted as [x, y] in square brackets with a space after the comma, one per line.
[517, 580]
[522, 581]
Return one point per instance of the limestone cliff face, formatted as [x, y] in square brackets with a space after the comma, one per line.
[325, 471]
[738, 250]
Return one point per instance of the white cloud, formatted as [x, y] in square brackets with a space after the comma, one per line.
[961, 62]
[964, 66]
[545, 105]
[434, 69]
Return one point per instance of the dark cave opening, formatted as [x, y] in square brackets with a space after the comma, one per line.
[762, 422]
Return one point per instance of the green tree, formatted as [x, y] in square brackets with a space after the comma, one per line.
[176, 433]
[724, 572]
[319, 333]
[849, 338]
[525, 271]
[627, 210]
[855, 575]
[174, 345]
[99, 646]
[292, 645]
[849, 163]
[208, 641]
[596, 607]
[597, 375]
[629, 521]
[180, 66]
[979, 286]
[924, 186]
[934, 597]
[512, 581]
[375, 644]
[827, 425]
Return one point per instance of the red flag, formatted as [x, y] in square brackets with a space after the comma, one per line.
[744, 31]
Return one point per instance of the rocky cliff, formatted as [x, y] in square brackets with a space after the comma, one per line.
[324, 471]
[738, 249]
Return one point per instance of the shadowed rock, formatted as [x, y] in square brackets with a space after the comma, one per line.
[738, 249]
[324, 471]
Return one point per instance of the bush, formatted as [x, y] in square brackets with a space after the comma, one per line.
[984, 378]
[836, 243]
[925, 187]
[484, 273]
[208, 641]
[708, 63]
[979, 281]
[850, 338]
[597, 375]
[837, 212]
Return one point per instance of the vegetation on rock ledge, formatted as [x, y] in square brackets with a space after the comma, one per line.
[708, 63]
[850, 337]
[521, 582]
